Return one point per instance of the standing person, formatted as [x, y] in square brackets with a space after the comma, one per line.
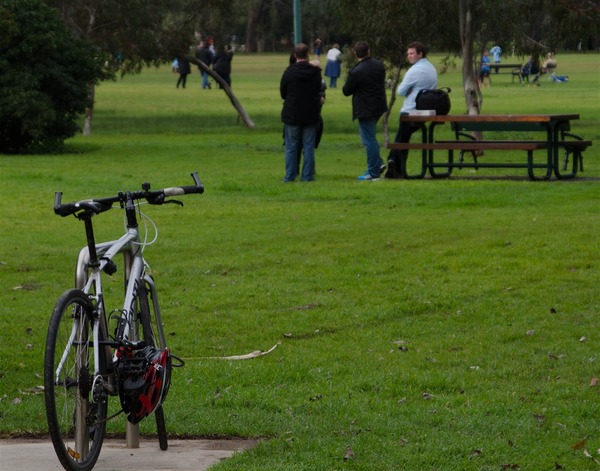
[496, 52]
[366, 84]
[222, 64]
[318, 44]
[203, 54]
[333, 68]
[421, 76]
[300, 88]
[484, 70]
[184, 71]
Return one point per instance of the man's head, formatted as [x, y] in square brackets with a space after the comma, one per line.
[301, 52]
[415, 51]
[361, 49]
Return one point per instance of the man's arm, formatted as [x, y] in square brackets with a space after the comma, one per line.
[407, 84]
[283, 86]
[350, 86]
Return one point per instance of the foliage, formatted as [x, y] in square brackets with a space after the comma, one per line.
[447, 324]
[44, 73]
[133, 34]
[466, 28]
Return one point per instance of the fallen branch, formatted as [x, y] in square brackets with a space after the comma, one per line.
[247, 356]
[234, 101]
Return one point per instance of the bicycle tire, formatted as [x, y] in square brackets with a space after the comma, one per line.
[148, 331]
[76, 423]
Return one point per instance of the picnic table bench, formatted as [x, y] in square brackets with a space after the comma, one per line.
[503, 66]
[557, 140]
[514, 69]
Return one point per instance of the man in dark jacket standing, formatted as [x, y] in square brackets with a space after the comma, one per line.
[222, 64]
[203, 53]
[300, 88]
[366, 84]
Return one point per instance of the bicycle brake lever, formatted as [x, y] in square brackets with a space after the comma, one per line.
[180, 203]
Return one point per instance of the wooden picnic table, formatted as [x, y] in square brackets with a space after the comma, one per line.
[553, 127]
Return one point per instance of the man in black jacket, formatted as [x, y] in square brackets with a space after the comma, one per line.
[300, 88]
[222, 64]
[366, 84]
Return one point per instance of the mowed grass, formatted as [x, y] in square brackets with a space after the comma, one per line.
[433, 324]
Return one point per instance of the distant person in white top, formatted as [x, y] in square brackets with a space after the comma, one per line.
[333, 68]
[421, 76]
[496, 52]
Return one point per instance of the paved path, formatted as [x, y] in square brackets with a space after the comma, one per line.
[182, 455]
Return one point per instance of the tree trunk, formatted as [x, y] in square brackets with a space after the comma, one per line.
[89, 111]
[234, 101]
[473, 96]
[471, 88]
[254, 16]
[386, 115]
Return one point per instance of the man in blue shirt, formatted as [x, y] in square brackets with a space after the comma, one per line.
[421, 76]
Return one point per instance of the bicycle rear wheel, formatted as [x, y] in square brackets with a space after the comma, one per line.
[75, 420]
[151, 338]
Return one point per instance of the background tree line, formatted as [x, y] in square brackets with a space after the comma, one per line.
[116, 38]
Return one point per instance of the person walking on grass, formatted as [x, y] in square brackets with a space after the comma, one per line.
[300, 88]
[184, 71]
[333, 68]
[366, 84]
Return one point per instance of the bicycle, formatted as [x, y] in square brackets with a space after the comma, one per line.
[85, 364]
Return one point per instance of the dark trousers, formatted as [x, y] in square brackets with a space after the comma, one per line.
[398, 157]
[182, 80]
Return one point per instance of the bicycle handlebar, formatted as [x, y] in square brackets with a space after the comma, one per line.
[99, 205]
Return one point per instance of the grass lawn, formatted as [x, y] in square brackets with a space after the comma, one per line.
[426, 324]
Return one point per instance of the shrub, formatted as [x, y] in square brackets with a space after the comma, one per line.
[45, 75]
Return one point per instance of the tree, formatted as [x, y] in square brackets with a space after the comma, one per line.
[132, 35]
[44, 72]
[467, 27]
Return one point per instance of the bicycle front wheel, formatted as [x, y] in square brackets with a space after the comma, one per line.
[76, 415]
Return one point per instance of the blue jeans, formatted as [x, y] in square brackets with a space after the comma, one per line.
[367, 127]
[297, 139]
[205, 82]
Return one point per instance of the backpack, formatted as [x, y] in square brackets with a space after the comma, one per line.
[437, 100]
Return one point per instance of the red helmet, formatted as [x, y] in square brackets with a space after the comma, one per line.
[145, 380]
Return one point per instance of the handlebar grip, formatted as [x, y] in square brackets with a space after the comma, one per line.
[184, 190]
[57, 202]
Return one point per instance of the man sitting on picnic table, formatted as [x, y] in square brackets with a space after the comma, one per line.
[422, 75]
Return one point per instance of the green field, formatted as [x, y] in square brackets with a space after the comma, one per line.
[427, 324]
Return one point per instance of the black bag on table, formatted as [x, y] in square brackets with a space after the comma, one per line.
[437, 100]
